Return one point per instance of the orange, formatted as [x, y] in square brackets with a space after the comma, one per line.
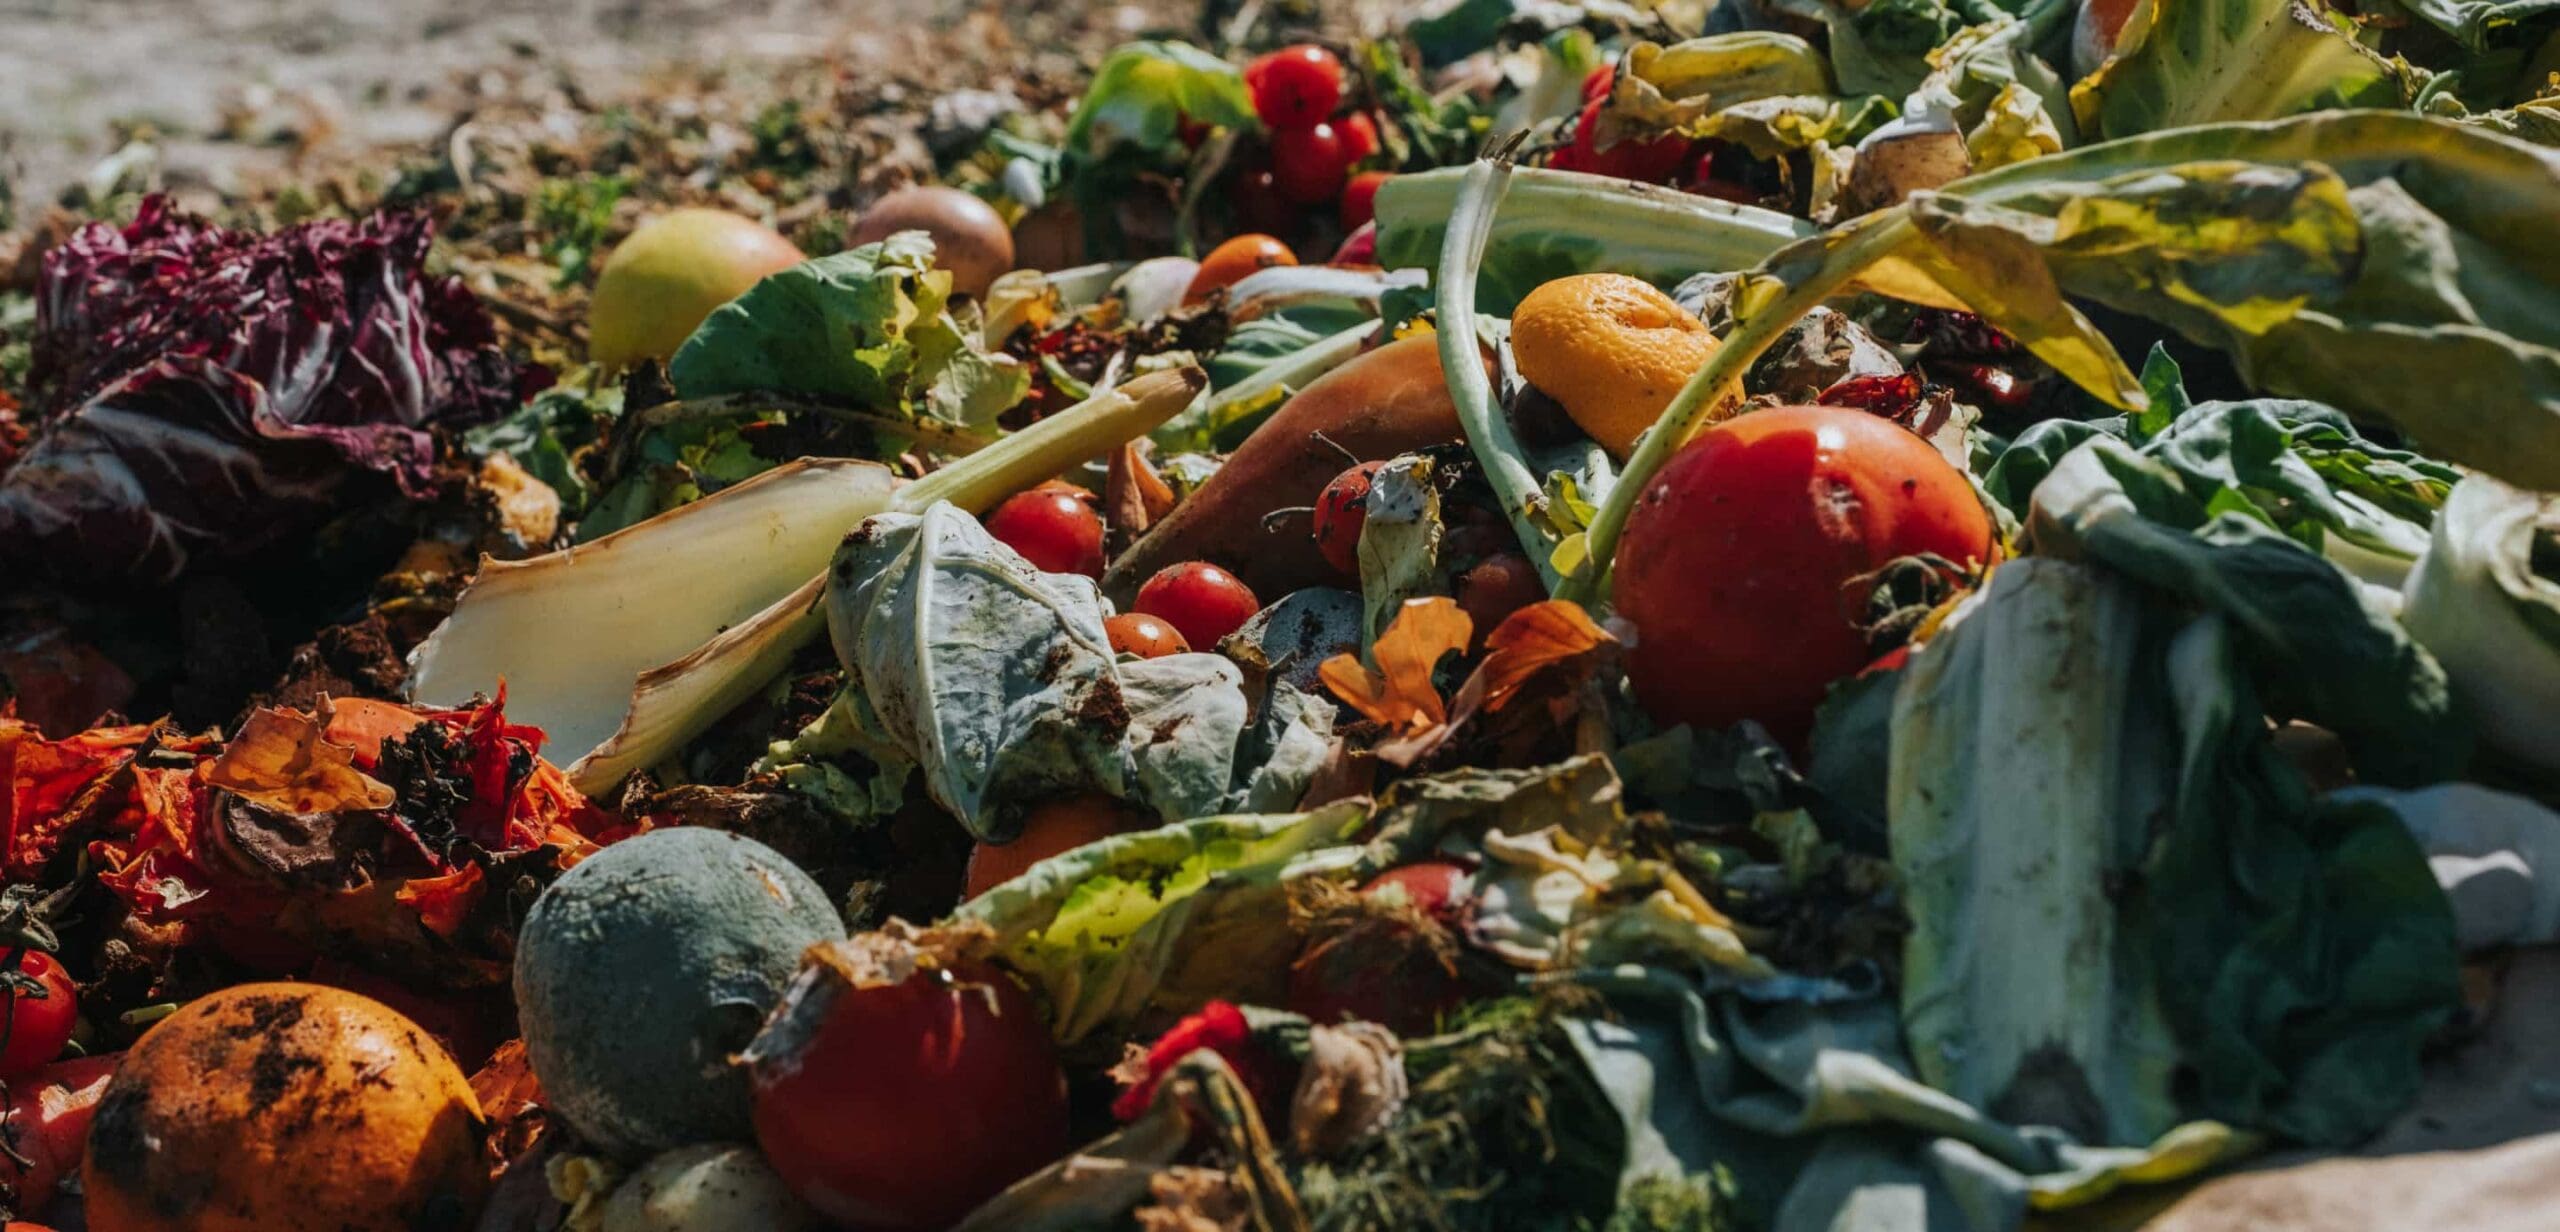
[284, 1108]
[1610, 349]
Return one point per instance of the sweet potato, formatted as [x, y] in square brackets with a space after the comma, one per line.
[1384, 403]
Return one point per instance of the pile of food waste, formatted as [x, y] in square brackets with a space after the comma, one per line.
[1652, 614]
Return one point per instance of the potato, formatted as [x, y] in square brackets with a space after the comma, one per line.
[969, 239]
[1381, 404]
[284, 1108]
[710, 1187]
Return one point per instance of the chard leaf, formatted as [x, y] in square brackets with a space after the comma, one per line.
[1555, 223]
[2186, 62]
[2433, 304]
[870, 327]
[1680, 86]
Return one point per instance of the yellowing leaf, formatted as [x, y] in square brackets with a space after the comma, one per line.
[282, 760]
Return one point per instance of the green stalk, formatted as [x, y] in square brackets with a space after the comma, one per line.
[1842, 256]
[1047, 448]
[1479, 414]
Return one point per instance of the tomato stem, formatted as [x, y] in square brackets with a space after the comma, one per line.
[1792, 282]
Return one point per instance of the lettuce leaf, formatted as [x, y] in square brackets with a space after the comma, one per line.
[2186, 62]
[1144, 91]
[871, 327]
[1162, 919]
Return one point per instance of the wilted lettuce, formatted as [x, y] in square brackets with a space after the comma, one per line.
[204, 395]
[2184, 62]
[871, 327]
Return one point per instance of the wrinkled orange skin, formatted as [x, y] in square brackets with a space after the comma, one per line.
[284, 1108]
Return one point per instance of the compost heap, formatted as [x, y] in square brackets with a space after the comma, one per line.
[1748, 615]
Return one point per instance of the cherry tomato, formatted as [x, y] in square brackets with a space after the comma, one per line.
[1360, 248]
[1737, 565]
[1311, 164]
[1202, 602]
[1294, 87]
[1341, 510]
[1497, 586]
[1360, 200]
[1053, 827]
[879, 1115]
[1052, 529]
[1147, 637]
[1359, 136]
[1652, 161]
[39, 1024]
[1229, 263]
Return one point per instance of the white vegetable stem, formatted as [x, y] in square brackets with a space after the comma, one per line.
[1479, 414]
[1836, 259]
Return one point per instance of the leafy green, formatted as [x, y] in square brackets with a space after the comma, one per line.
[996, 681]
[1881, 47]
[1163, 918]
[871, 327]
[2008, 103]
[675, 464]
[2186, 62]
[2317, 650]
[2298, 949]
[2479, 23]
[1144, 91]
[2026, 768]
[1673, 88]
[546, 435]
[2485, 599]
[1399, 549]
[2299, 467]
[1555, 223]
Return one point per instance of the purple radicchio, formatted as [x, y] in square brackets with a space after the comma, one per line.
[202, 395]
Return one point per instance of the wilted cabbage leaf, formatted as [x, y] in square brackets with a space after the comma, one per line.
[997, 682]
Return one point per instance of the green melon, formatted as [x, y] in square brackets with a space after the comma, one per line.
[641, 972]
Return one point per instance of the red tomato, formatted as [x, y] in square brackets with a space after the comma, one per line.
[1360, 200]
[1259, 207]
[1736, 565]
[1497, 586]
[909, 1104]
[39, 1023]
[1060, 825]
[1202, 602]
[1359, 136]
[1341, 510]
[1294, 87]
[1653, 161]
[1229, 263]
[1311, 164]
[1147, 637]
[1052, 529]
